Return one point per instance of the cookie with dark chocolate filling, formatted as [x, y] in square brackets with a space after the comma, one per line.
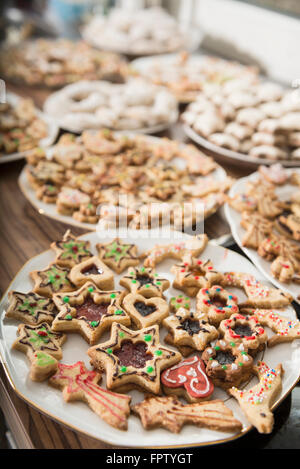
[145, 312]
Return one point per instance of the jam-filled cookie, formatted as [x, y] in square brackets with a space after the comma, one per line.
[89, 311]
[189, 331]
[216, 303]
[227, 364]
[118, 255]
[92, 270]
[71, 250]
[144, 281]
[145, 312]
[53, 279]
[30, 308]
[133, 359]
[245, 330]
[188, 379]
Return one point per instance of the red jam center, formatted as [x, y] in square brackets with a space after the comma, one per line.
[91, 311]
[130, 354]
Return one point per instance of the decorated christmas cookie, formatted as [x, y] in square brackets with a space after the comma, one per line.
[216, 303]
[257, 401]
[188, 329]
[145, 312]
[227, 364]
[80, 384]
[170, 413]
[188, 379]
[92, 270]
[89, 311]
[118, 255]
[144, 281]
[180, 301]
[43, 348]
[133, 359]
[71, 250]
[245, 330]
[53, 279]
[30, 308]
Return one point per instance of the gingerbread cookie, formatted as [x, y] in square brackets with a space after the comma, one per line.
[145, 312]
[244, 330]
[30, 308]
[133, 359]
[170, 413]
[53, 279]
[227, 364]
[42, 347]
[188, 329]
[89, 311]
[79, 384]
[144, 281]
[118, 255]
[188, 379]
[257, 401]
[179, 251]
[71, 250]
[216, 303]
[92, 270]
[179, 301]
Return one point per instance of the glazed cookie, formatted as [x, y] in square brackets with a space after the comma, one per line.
[30, 308]
[258, 295]
[118, 255]
[89, 311]
[189, 380]
[69, 200]
[242, 203]
[53, 279]
[189, 330]
[192, 247]
[79, 384]
[194, 274]
[143, 312]
[216, 303]
[42, 347]
[244, 330]
[171, 414]
[257, 401]
[227, 364]
[71, 250]
[180, 301]
[144, 281]
[275, 174]
[92, 270]
[133, 359]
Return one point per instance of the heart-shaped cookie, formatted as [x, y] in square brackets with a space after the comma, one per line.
[145, 312]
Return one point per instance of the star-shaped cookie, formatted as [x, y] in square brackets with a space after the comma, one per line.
[71, 250]
[144, 281]
[89, 311]
[51, 280]
[30, 308]
[118, 255]
[133, 359]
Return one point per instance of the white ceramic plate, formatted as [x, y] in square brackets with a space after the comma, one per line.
[45, 142]
[234, 219]
[78, 416]
[50, 209]
[223, 155]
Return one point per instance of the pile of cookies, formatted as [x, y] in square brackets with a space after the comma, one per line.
[186, 75]
[55, 63]
[272, 225]
[219, 340]
[142, 32]
[21, 128]
[260, 120]
[104, 176]
[135, 105]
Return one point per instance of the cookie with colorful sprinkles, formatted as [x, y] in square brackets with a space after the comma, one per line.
[89, 311]
[71, 250]
[133, 359]
[53, 279]
[179, 301]
[216, 303]
[118, 255]
[30, 308]
[144, 281]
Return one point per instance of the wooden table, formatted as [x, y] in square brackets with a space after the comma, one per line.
[23, 234]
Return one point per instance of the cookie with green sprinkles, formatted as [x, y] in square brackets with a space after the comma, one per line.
[118, 255]
[30, 308]
[54, 279]
[89, 311]
[133, 359]
[71, 250]
[144, 281]
[179, 301]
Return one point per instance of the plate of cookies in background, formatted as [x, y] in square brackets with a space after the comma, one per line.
[263, 213]
[247, 123]
[104, 176]
[144, 342]
[22, 128]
